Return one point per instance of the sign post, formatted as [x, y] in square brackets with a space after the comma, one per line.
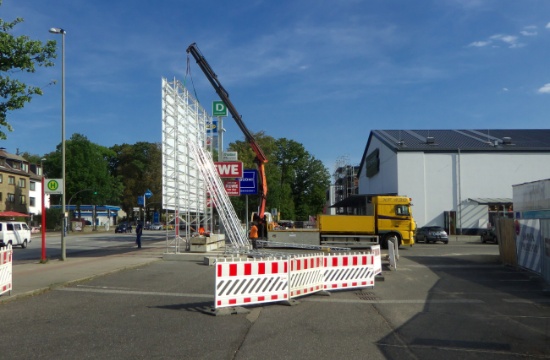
[147, 195]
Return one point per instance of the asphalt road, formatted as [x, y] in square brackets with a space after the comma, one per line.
[444, 302]
[80, 243]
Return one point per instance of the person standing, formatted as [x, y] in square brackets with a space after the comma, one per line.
[139, 230]
[253, 234]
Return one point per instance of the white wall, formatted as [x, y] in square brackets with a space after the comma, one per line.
[438, 182]
[386, 180]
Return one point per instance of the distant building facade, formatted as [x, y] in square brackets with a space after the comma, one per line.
[20, 185]
[458, 179]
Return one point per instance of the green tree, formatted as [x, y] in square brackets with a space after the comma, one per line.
[19, 54]
[297, 181]
[87, 172]
[139, 167]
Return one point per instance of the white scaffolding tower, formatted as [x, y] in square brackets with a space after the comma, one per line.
[184, 194]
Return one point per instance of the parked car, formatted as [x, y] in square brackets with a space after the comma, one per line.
[121, 228]
[432, 234]
[156, 226]
[14, 233]
[489, 235]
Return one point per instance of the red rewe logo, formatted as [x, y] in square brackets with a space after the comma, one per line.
[230, 169]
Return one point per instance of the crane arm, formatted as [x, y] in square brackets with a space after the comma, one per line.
[224, 96]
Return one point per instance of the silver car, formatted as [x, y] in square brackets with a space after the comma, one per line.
[432, 234]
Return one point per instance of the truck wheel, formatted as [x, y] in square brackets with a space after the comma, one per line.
[24, 244]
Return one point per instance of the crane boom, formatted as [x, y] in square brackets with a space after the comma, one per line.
[224, 96]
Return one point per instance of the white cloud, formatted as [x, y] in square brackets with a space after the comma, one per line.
[548, 25]
[530, 30]
[479, 44]
[545, 89]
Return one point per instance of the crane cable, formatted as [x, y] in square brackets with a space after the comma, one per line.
[188, 72]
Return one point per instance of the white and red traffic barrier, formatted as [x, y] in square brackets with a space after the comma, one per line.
[246, 282]
[6, 260]
[375, 250]
[251, 282]
[306, 274]
[345, 271]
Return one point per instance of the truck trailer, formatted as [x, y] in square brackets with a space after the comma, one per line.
[371, 219]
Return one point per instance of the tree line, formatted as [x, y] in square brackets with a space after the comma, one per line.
[118, 175]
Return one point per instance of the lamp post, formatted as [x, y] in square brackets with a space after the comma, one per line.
[63, 229]
[43, 215]
[76, 193]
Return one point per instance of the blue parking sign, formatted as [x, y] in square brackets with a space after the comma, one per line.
[249, 182]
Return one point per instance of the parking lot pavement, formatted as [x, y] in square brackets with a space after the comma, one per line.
[33, 277]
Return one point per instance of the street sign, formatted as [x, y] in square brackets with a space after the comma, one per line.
[140, 200]
[212, 127]
[231, 187]
[148, 194]
[219, 108]
[230, 156]
[249, 182]
[54, 186]
[229, 169]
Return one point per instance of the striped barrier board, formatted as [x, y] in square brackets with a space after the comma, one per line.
[6, 259]
[375, 251]
[345, 271]
[306, 274]
[251, 282]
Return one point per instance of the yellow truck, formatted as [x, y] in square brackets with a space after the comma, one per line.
[372, 219]
[384, 216]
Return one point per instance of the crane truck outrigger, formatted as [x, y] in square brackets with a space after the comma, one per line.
[260, 159]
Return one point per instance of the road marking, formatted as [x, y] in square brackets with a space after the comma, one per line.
[418, 301]
[132, 292]
[526, 301]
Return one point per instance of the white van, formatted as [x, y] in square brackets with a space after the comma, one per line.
[14, 233]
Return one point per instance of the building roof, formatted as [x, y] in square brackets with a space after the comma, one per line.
[485, 141]
[492, 201]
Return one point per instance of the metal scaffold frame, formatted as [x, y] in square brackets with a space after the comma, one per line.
[184, 195]
[228, 217]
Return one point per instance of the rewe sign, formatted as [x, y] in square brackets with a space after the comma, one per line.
[229, 169]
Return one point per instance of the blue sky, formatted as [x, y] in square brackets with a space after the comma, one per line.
[322, 73]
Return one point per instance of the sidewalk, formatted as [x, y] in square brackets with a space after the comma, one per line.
[32, 278]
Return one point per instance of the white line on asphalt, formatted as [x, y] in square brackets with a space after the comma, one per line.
[129, 292]
[419, 301]
[526, 301]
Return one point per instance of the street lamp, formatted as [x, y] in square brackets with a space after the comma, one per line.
[76, 193]
[62, 33]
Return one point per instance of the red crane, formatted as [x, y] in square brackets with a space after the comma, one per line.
[260, 159]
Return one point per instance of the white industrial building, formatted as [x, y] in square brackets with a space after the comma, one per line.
[458, 179]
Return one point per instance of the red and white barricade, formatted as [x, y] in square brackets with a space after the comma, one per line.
[6, 259]
[375, 250]
[269, 280]
[306, 274]
[251, 282]
[345, 271]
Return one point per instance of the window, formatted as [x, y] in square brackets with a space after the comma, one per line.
[25, 167]
[11, 180]
[0, 196]
[32, 201]
[22, 183]
[32, 186]
[1, 178]
[11, 198]
[17, 226]
[402, 210]
[9, 226]
[22, 199]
